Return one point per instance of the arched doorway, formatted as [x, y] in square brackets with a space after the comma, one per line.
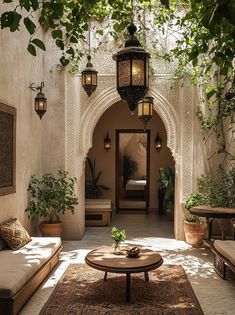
[117, 120]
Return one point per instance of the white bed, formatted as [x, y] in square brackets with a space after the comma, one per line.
[136, 184]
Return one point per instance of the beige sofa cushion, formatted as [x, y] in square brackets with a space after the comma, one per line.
[17, 267]
[226, 249]
[14, 234]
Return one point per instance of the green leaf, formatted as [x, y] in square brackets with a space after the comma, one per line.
[10, 19]
[60, 44]
[32, 50]
[35, 4]
[30, 26]
[100, 32]
[64, 61]
[73, 39]
[57, 34]
[25, 4]
[39, 43]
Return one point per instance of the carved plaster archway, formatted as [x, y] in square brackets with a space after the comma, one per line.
[174, 106]
[110, 96]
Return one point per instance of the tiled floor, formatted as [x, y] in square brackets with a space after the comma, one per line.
[215, 295]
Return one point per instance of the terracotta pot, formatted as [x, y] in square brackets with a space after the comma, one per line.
[50, 229]
[194, 232]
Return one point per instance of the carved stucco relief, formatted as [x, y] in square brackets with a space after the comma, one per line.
[173, 105]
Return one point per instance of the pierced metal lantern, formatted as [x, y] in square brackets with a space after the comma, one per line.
[89, 77]
[145, 109]
[40, 104]
[107, 142]
[132, 70]
[158, 142]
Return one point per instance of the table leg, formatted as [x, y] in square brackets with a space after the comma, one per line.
[128, 287]
[146, 276]
[209, 227]
[105, 275]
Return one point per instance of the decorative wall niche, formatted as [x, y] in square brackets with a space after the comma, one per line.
[7, 149]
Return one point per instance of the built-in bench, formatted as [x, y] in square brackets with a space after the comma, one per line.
[23, 270]
[98, 212]
[224, 256]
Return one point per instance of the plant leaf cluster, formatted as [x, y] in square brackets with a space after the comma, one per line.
[51, 195]
[118, 235]
[92, 189]
[215, 192]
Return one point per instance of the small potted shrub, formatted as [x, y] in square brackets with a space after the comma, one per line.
[118, 236]
[194, 227]
[93, 190]
[52, 196]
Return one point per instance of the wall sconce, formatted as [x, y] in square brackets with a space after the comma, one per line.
[158, 142]
[40, 105]
[107, 142]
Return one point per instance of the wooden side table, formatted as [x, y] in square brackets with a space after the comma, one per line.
[105, 260]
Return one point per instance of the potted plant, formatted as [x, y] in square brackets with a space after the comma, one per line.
[129, 168]
[92, 189]
[166, 192]
[194, 227]
[118, 236]
[52, 195]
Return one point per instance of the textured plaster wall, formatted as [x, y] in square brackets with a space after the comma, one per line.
[118, 116]
[18, 69]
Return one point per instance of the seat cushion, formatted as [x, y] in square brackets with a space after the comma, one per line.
[226, 249]
[14, 234]
[17, 267]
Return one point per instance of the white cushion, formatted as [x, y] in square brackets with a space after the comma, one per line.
[227, 249]
[17, 267]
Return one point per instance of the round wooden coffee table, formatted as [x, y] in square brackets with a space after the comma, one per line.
[104, 259]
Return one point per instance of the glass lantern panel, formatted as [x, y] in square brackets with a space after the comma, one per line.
[94, 79]
[88, 79]
[40, 105]
[138, 74]
[124, 73]
[140, 109]
[146, 109]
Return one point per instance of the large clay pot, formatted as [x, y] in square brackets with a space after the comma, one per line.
[50, 229]
[194, 232]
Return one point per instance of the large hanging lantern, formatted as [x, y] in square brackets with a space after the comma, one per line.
[89, 77]
[132, 70]
[145, 109]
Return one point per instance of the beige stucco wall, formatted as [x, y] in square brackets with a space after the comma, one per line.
[18, 69]
[118, 116]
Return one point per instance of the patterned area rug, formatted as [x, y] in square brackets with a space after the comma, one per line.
[82, 290]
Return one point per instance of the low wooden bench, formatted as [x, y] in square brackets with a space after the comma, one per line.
[98, 212]
[224, 256]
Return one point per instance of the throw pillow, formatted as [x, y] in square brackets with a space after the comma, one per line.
[2, 244]
[14, 234]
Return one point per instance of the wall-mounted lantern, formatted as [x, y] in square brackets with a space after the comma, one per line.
[40, 104]
[107, 142]
[158, 142]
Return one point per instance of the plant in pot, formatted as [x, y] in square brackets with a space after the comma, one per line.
[129, 168]
[166, 192]
[52, 196]
[118, 236]
[194, 227]
[92, 189]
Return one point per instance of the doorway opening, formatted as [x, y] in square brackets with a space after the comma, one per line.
[132, 169]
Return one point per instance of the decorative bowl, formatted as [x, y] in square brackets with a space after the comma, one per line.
[133, 252]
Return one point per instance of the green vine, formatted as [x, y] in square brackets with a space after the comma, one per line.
[204, 32]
